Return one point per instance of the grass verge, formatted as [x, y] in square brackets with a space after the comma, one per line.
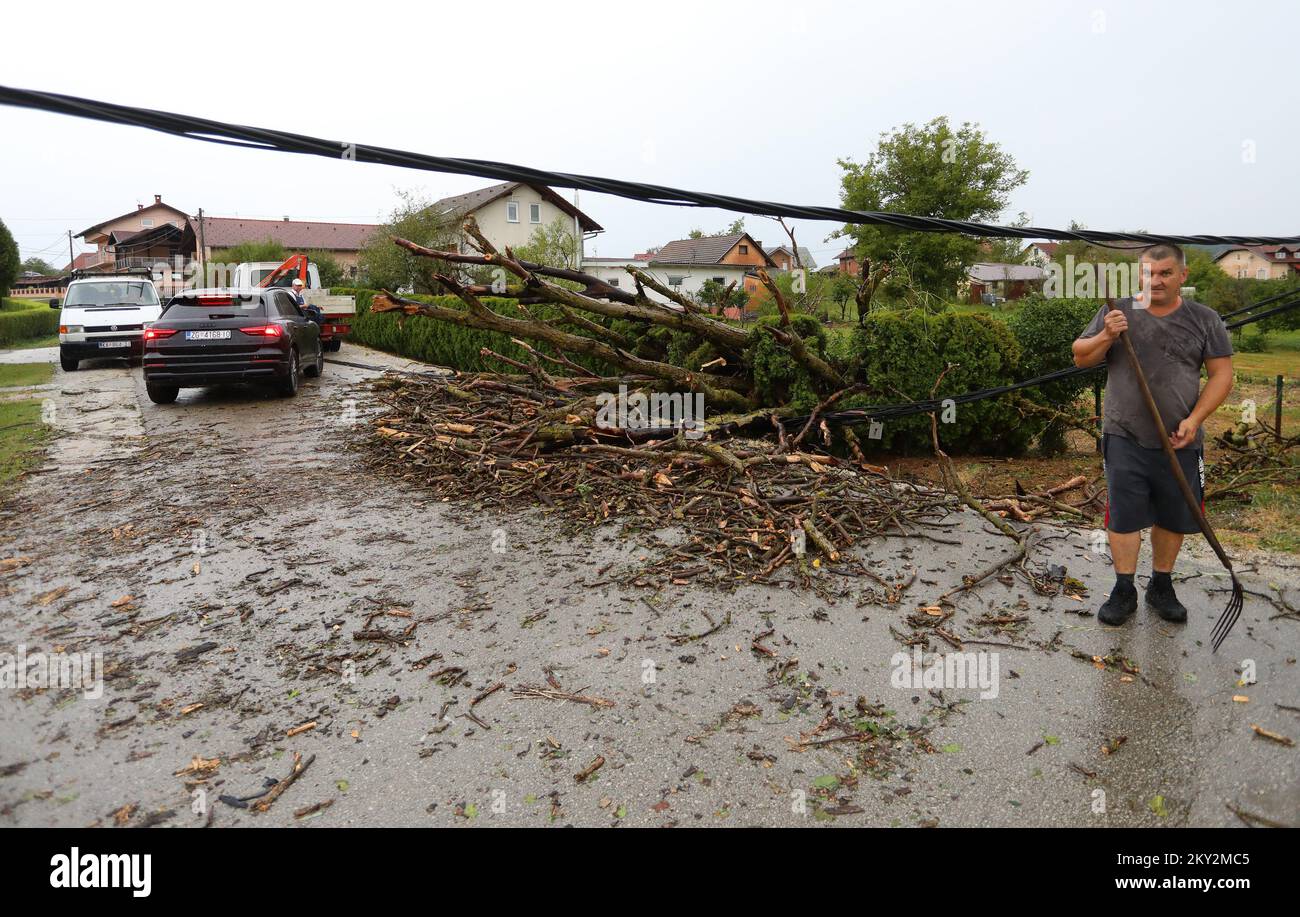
[22, 439]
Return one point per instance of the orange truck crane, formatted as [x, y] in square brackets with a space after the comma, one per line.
[337, 311]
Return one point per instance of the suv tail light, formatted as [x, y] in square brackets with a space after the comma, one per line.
[269, 331]
[152, 334]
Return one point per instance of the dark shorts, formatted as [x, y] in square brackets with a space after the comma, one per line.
[1142, 489]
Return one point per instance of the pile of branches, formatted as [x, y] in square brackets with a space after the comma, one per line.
[750, 509]
[1253, 454]
[754, 500]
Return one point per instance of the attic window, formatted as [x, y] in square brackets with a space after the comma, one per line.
[613, 281]
[674, 281]
[534, 213]
[744, 249]
[146, 222]
[512, 211]
[1281, 255]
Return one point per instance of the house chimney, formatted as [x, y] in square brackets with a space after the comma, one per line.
[139, 207]
[157, 198]
[286, 219]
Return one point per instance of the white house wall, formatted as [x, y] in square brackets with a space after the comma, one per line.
[692, 278]
[493, 223]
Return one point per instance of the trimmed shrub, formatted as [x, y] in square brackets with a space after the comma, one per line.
[1252, 340]
[27, 324]
[778, 379]
[1046, 328]
[22, 305]
[900, 354]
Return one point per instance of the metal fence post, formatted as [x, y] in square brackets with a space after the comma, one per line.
[1096, 410]
[1277, 410]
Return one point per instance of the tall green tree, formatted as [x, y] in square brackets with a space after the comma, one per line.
[38, 266]
[930, 170]
[717, 297]
[553, 245]
[737, 226]
[1094, 253]
[842, 288]
[385, 266]
[266, 250]
[327, 266]
[1008, 251]
[9, 260]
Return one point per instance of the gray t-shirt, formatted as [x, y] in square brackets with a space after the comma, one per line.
[1172, 350]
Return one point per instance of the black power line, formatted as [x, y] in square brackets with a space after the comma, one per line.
[261, 138]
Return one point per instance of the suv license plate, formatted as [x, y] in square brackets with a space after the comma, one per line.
[114, 343]
[207, 335]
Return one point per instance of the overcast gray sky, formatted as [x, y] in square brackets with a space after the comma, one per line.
[1127, 115]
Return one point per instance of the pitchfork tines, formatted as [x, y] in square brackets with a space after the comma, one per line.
[1229, 616]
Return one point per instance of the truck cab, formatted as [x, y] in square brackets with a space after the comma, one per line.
[252, 273]
[334, 313]
[105, 315]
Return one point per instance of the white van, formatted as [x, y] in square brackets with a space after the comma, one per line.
[104, 315]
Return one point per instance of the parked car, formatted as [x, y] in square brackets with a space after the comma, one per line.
[218, 336]
[104, 315]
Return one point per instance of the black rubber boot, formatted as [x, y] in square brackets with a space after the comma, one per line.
[1160, 596]
[1119, 607]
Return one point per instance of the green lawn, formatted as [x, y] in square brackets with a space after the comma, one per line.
[22, 374]
[49, 341]
[1282, 358]
[22, 434]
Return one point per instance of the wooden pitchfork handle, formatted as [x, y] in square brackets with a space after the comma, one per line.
[1169, 448]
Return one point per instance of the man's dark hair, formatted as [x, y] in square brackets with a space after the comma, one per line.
[1162, 250]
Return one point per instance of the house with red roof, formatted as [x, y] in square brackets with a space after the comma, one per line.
[1259, 262]
[105, 235]
[343, 241]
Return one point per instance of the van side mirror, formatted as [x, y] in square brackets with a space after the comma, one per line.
[54, 303]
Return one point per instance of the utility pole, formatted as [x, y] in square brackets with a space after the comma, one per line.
[72, 259]
[203, 254]
[577, 234]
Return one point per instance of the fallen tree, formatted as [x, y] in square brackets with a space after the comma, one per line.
[753, 492]
[630, 331]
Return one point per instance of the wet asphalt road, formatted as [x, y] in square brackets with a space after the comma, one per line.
[243, 578]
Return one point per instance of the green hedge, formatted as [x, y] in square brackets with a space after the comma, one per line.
[897, 354]
[27, 324]
[1046, 329]
[778, 379]
[900, 354]
[22, 305]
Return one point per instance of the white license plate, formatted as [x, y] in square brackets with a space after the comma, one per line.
[207, 335]
[103, 344]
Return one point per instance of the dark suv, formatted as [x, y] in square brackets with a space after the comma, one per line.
[211, 337]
